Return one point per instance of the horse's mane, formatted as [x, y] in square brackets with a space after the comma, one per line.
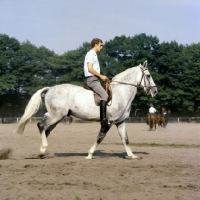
[123, 74]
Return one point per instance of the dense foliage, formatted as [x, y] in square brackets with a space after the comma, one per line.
[25, 68]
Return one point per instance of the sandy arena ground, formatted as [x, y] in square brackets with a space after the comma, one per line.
[164, 172]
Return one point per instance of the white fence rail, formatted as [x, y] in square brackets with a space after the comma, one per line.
[8, 120]
[170, 119]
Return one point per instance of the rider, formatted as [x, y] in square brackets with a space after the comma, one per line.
[92, 73]
[164, 112]
[152, 110]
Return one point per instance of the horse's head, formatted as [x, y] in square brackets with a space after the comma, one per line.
[146, 81]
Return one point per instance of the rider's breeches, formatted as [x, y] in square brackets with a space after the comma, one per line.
[94, 83]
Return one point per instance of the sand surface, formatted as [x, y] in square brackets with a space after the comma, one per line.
[164, 172]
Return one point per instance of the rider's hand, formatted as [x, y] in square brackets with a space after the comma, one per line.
[104, 78]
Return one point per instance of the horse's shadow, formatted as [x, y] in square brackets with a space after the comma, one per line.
[98, 153]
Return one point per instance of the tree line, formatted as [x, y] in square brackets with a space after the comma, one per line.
[175, 68]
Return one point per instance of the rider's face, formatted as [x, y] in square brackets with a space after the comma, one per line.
[98, 46]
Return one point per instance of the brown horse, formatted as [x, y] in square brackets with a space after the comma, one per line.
[151, 118]
[162, 118]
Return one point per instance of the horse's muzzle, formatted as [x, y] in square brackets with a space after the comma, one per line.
[153, 91]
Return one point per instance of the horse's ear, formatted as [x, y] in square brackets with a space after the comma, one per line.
[145, 64]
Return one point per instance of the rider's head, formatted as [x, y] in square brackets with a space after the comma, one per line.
[97, 44]
[96, 41]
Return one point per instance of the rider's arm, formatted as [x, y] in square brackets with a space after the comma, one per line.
[95, 73]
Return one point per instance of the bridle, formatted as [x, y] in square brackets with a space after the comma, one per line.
[138, 85]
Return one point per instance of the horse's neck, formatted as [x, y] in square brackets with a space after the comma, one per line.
[129, 76]
[125, 91]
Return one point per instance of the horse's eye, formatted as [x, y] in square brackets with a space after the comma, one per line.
[148, 75]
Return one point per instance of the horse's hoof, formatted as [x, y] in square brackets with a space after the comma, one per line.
[43, 156]
[136, 157]
[133, 157]
[88, 158]
[139, 158]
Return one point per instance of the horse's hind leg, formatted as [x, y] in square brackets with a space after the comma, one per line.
[100, 137]
[124, 137]
[44, 132]
[41, 126]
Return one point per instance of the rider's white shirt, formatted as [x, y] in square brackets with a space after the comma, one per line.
[152, 110]
[91, 57]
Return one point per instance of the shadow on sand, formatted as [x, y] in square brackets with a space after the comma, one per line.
[99, 153]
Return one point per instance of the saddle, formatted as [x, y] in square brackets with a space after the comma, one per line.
[97, 98]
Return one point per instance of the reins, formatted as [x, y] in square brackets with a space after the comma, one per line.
[125, 83]
[139, 85]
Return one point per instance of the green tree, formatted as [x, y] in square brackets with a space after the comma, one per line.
[130, 51]
[189, 79]
[24, 68]
[8, 50]
[34, 68]
[168, 71]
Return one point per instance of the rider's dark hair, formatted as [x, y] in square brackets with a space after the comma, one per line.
[95, 41]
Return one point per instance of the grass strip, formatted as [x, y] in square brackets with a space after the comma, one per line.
[160, 145]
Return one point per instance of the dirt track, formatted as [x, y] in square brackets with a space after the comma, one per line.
[164, 172]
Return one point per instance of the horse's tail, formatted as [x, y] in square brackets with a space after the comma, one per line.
[31, 109]
[152, 120]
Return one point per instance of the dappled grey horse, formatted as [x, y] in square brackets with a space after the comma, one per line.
[66, 99]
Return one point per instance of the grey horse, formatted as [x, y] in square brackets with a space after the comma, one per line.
[66, 99]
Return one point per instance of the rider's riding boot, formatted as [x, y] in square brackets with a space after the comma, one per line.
[103, 120]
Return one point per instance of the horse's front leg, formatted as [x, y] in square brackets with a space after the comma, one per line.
[100, 137]
[124, 137]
